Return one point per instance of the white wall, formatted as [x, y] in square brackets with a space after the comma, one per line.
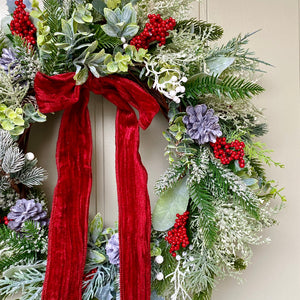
[275, 272]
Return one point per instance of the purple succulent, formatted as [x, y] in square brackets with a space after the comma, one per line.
[201, 123]
[8, 59]
[112, 249]
[25, 210]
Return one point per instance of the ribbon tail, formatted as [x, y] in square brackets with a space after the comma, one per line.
[134, 211]
[69, 219]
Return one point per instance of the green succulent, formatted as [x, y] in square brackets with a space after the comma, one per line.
[16, 120]
[120, 23]
[137, 56]
[82, 14]
[119, 63]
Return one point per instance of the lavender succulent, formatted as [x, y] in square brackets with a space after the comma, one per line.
[201, 123]
[112, 249]
[25, 210]
[8, 59]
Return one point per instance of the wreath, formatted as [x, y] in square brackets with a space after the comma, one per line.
[214, 200]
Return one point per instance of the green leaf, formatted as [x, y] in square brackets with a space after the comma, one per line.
[173, 201]
[99, 6]
[36, 14]
[3, 107]
[17, 130]
[130, 30]
[110, 16]
[18, 120]
[126, 13]
[7, 125]
[96, 257]
[87, 19]
[216, 65]
[110, 30]
[112, 67]
[96, 227]
[82, 76]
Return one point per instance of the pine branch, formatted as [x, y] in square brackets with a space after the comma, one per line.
[231, 87]
[226, 180]
[258, 168]
[171, 176]
[105, 41]
[3, 41]
[211, 31]
[204, 201]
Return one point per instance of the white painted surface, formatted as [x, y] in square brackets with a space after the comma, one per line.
[275, 272]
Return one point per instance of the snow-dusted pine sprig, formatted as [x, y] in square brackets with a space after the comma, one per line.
[15, 168]
[199, 166]
[27, 279]
[237, 189]
[170, 177]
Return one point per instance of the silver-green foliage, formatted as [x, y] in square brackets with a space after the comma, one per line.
[27, 279]
[15, 168]
[121, 23]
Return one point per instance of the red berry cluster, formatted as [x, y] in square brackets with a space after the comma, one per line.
[156, 30]
[4, 220]
[227, 152]
[177, 236]
[21, 24]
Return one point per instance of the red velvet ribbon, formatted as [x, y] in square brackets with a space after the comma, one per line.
[69, 218]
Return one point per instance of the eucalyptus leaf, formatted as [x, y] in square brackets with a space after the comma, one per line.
[112, 67]
[216, 65]
[18, 120]
[7, 125]
[250, 181]
[171, 202]
[17, 130]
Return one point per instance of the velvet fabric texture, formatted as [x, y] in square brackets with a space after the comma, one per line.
[69, 219]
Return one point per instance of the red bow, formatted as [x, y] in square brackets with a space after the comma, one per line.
[69, 218]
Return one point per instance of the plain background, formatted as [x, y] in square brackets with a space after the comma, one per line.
[275, 270]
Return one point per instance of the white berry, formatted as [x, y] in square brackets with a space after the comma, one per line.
[159, 276]
[174, 78]
[125, 46]
[123, 40]
[29, 156]
[184, 79]
[182, 89]
[178, 257]
[159, 259]
[178, 89]
[192, 258]
[172, 93]
[176, 99]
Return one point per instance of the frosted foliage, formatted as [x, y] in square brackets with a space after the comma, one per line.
[237, 232]
[198, 167]
[177, 8]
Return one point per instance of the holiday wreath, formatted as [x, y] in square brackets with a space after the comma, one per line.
[214, 199]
